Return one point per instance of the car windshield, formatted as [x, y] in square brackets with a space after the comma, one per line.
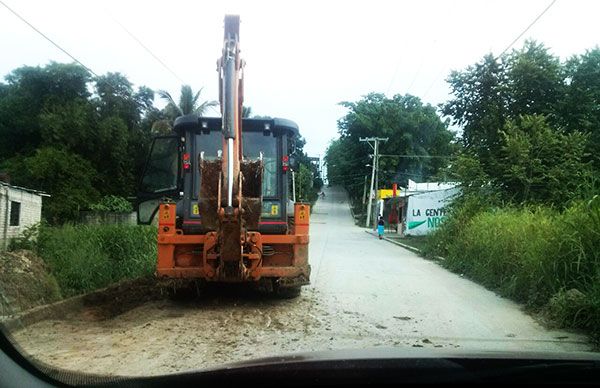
[421, 176]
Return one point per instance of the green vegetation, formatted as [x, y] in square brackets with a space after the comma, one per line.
[415, 133]
[531, 127]
[189, 102]
[83, 258]
[112, 203]
[547, 259]
[77, 146]
[306, 187]
[308, 179]
[77, 137]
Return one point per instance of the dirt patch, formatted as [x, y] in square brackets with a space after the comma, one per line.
[25, 282]
[182, 332]
[99, 305]
[120, 298]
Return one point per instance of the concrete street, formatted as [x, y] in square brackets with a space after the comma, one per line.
[411, 297]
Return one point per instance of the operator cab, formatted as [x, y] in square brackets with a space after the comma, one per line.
[172, 170]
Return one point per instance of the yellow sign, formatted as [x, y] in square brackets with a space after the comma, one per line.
[386, 193]
[166, 214]
[274, 210]
[302, 215]
[195, 209]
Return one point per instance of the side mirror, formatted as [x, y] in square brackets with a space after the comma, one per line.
[292, 162]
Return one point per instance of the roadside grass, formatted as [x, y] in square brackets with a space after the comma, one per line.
[83, 258]
[546, 259]
[418, 242]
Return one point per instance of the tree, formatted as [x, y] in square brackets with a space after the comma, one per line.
[67, 177]
[418, 142]
[48, 112]
[304, 184]
[28, 93]
[517, 113]
[479, 107]
[540, 164]
[120, 145]
[188, 103]
[534, 81]
[581, 108]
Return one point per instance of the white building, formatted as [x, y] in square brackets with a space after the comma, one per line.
[427, 210]
[420, 207]
[19, 209]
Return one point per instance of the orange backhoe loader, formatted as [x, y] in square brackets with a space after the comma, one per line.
[219, 188]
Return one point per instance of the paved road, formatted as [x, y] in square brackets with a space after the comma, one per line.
[414, 299]
[365, 293]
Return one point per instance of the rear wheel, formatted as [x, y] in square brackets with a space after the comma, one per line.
[287, 292]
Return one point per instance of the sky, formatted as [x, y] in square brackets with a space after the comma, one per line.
[302, 57]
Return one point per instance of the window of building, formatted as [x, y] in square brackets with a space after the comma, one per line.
[15, 213]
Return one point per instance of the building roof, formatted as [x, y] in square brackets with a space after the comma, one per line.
[38, 192]
[430, 186]
[416, 188]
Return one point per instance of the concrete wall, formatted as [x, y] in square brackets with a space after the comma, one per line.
[98, 218]
[31, 212]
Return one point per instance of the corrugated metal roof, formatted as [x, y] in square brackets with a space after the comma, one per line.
[38, 192]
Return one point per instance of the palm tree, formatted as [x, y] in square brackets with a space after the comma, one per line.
[188, 103]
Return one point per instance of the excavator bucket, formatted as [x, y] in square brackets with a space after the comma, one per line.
[211, 192]
[252, 174]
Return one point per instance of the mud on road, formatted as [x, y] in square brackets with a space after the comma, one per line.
[169, 334]
[189, 333]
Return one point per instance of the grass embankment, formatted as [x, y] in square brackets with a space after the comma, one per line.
[418, 242]
[547, 259]
[83, 258]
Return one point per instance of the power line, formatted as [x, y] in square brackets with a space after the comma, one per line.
[437, 77]
[527, 29]
[394, 76]
[47, 38]
[417, 156]
[356, 177]
[423, 52]
[505, 50]
[146, 48]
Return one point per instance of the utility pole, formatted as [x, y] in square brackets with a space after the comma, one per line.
[365, 191]
[375, 147]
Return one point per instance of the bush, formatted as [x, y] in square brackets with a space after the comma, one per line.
[86, 257]
[26, 240]
[548, 259]
[112, 203]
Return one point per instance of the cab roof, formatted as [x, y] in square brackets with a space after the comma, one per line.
[193, 122]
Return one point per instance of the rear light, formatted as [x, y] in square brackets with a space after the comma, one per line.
[285, 163]
[187, 165]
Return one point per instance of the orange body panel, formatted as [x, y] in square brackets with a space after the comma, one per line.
[195, 256]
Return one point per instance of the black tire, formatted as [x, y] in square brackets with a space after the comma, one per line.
[287, 292]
